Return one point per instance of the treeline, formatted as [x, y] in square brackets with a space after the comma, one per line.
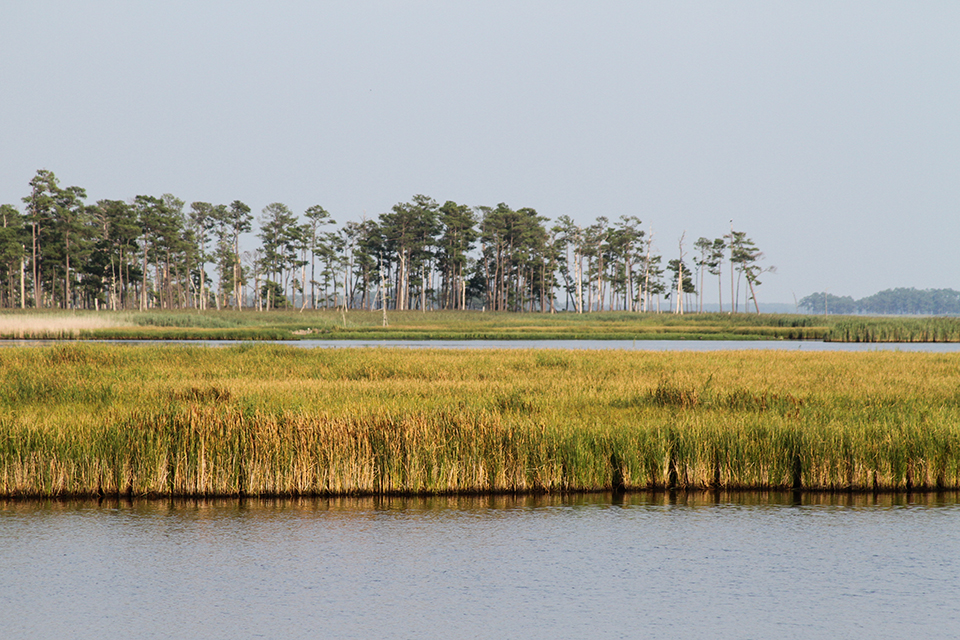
[902, 301]
[157, 252]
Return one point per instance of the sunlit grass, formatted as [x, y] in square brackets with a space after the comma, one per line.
[275, 420]
[47, 326]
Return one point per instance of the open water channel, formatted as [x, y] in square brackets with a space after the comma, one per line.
[644, 345]
[590, 566]
[596, 345]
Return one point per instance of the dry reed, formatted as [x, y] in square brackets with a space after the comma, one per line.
[52, 326]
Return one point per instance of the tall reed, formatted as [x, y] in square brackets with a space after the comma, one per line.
[895, 330]
[81, 419]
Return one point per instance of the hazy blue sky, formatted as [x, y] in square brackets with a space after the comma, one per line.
[828, 131]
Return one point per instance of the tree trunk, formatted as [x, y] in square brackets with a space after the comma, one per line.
[680, 286]
[753, 295]
[400, 303]
[579, 273]
[238, 299]
[36, 271]
[66, 277]
[700, 295]
[303, 277]
[346, 293]
[733, 298]
[23, 282]
[720, 284]
[143, 289]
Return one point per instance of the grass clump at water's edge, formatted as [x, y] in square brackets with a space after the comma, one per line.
[81, 419]
[895, 330]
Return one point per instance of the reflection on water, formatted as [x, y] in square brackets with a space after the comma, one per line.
[693, 565]
[470, 503]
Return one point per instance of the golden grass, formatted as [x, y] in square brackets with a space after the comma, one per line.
[273, 420]
[46, 326]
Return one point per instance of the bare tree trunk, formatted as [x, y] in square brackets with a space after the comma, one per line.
[579, 269]
[400, 303]
[66, 275]
[257, 294]
[346, 273]
[733, 299]
[720, 284]
[680, 288]
[238, 299]
[383, 293]
[143, 290]
[600, 290]
[303, 279]
[125, 283]
[167, 285]
[700, 290]
[680, 277]
[23, 282]
[36, 273]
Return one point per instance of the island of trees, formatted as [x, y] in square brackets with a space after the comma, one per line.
[902, 301]
[156, 252]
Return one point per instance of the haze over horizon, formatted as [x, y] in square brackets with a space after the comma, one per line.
[828, 132]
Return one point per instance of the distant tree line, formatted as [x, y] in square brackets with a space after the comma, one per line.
[154, 252]
[926, 302]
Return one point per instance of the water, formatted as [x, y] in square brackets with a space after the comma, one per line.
[644, 345]
[629, 345]
[642, 565]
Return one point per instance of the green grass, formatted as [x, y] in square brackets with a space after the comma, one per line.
[895, 330]
[85, 419]
[467, 325]
[405, 325]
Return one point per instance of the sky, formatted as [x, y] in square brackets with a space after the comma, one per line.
[828, 132]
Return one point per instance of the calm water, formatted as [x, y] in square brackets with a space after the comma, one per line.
[630, 345]
[646, 565]
[644, 345]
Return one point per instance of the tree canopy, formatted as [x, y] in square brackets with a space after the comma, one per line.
[156, 252]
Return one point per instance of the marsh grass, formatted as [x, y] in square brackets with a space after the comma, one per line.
[404, 325]
[186, 319]
[895, 330]
[52, 326]
[261, 420]
[466, 325]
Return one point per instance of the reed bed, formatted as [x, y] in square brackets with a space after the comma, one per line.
[895, 330]
[187, 324]
[269, 420]
[51, 326]
[465, 325]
